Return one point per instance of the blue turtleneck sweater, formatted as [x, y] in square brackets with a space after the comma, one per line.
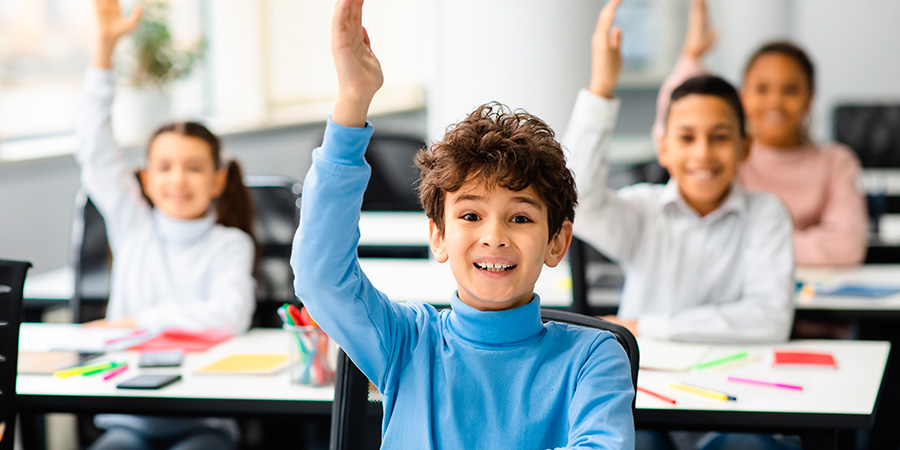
[459, 378]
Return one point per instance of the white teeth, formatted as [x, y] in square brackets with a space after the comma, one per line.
[773, 116]
[703, 173]
[493, 267]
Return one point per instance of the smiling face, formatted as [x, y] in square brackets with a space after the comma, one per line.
[702, 149]
[496, 242]
[776, 97]
[181, 178]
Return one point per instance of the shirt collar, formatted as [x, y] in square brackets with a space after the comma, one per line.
[180, 231]
[672, 202]
[496, 327]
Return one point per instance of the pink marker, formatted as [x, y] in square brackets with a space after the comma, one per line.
[115, 372]
[766, 383]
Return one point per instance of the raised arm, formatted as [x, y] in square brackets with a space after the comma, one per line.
[327, 275]
[699, 39]
[604, 220]
[105, 176]
[358, 70]
[111, 25]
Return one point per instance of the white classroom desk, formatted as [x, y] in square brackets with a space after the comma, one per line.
[831, 398]
[851, 307]
[195, 393]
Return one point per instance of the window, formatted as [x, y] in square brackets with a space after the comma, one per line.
[268, 63]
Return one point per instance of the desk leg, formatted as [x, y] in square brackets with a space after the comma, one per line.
[829, 439]
[34, 431]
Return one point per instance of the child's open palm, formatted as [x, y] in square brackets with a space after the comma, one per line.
[607, 58]
[111, 25]
[358, 70]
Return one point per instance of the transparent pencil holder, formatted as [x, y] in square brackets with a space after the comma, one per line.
[310, 360]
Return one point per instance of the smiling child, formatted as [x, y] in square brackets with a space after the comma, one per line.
[487, 373]
[704, 260]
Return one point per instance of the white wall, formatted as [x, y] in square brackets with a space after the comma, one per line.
[856, 48]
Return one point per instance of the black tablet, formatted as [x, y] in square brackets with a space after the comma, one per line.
[148, 381]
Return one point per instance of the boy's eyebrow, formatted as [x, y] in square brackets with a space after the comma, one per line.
[528, 200]
[518, 198]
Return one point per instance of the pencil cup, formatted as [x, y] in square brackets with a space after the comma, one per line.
[309, 361]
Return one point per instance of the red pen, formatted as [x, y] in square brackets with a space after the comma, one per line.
[115, 372]
[659, 396]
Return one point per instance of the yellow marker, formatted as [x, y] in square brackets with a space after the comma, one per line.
[702, 391]
[71, 372]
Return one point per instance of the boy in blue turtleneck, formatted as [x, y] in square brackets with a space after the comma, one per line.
[486, 373]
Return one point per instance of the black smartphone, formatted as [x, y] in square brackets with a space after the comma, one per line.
[148, 381]
[160, 359]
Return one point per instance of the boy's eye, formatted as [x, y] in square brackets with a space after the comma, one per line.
[469, 217]
[761, 89]
[686, 138]
[720, 137]
[791, 90]
[521, 219]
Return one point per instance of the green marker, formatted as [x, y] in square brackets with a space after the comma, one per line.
[105, 367]
[721, 360]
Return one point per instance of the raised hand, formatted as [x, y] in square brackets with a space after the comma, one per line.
[606, 57]
[111, 26]
[700, 37]
[358, 70]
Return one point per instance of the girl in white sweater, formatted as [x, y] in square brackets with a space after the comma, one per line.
[183, 253]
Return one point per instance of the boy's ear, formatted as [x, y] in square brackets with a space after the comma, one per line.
[746, 145]
[436, 241]
[662, 154]
[559, 245]
[221, 180]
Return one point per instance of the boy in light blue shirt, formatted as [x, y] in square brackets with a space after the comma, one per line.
[487, 373]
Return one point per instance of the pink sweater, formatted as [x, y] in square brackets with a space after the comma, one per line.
[817, 183]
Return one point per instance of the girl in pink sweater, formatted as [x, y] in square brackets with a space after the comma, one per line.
[818, 183]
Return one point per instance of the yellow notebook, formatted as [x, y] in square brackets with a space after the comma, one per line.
[262, 364]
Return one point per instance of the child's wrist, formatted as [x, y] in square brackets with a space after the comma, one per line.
[351, 111]
[601, 89]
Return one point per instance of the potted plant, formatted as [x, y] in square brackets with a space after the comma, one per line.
[151, 62]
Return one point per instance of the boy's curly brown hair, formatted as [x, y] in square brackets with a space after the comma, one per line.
[499, 147]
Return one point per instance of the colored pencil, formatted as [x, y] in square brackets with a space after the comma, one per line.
[654, 394]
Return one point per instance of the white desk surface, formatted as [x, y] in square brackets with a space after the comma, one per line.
[40, 337]
[830, 399]
[393, 228]
[870, 274]
[851, 389]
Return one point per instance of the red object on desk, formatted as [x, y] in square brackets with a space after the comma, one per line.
[172, 339]
[794, 358]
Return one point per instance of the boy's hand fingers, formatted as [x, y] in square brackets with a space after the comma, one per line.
[135, 18]
[607, 15]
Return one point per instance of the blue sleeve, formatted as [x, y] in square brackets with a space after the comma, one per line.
[372, 329]
[600, 412]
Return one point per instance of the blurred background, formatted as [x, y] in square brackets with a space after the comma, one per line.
[266, 83]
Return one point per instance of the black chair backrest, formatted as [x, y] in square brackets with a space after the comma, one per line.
[357, 411]
[592, 269]
[276, 203]
[872, 131]
[12, 280]
[392, 186]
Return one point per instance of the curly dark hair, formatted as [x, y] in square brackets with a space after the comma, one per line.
[499, 147]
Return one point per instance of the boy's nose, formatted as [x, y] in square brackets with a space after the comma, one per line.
[494, 234]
